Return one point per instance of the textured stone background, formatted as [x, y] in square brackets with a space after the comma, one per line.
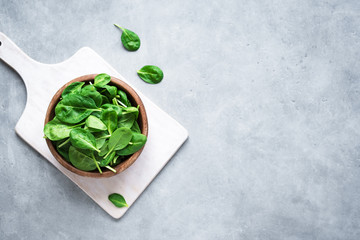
[269, 91]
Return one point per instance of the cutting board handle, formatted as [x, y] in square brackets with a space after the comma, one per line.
[15, 57]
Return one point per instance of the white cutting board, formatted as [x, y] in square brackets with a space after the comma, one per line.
[42, 81]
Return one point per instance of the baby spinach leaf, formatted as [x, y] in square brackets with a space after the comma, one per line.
[90, 91]
[81, 159]
[133, 110]
[95, 123]
[101, 80]
[100, 142]
[129, 39]
[109, 118]
[101, 138]
[123, 98]
[116, 108]
[135, 127]
[118, 200]
[56, 130]
[96, 114]
[137, 141]
[112, 90]
[104, 149]
[83, 139]
[126, 120]
[119, 139]
[75, 108]
[151, 74]
[105, 100]
[74, 87]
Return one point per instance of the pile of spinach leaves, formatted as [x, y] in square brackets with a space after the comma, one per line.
[95, 125]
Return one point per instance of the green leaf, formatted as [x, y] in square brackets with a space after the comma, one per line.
[116, 108]
[129, 39]
[104, 149]
[129, 110]
[101, 80]
[126, 120]
[75, 108]
[112, 90]
[137, 141]
[90, 91]
[118, 200]
[123, 98]
[151, 74]
[74, 87]
[105, 100]
[100, 142]
[83, 139]
[56, 130]
[81, 159]
[101, 138]
[109, 118]
[135, 127]
[96, 114]
[119, 139]
[95, 123]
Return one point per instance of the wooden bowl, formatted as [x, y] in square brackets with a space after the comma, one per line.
[142, 120]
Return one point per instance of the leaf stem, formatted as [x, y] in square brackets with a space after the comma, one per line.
[96, 163]
[80, 124]
[121, 103]
[115, 158]
[65, 142]
[107, 136]
[115, 102]
[118, 26]
[110, 168]
[108, 153]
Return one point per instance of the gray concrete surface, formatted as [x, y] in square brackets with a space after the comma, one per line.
[269, 91]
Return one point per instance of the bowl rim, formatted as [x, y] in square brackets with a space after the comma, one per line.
[120, 84]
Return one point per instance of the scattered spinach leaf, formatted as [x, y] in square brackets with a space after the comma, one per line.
[129, 39]
[151, 74]
[118, 200]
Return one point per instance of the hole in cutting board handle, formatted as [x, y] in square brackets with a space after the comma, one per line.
[0, 43]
